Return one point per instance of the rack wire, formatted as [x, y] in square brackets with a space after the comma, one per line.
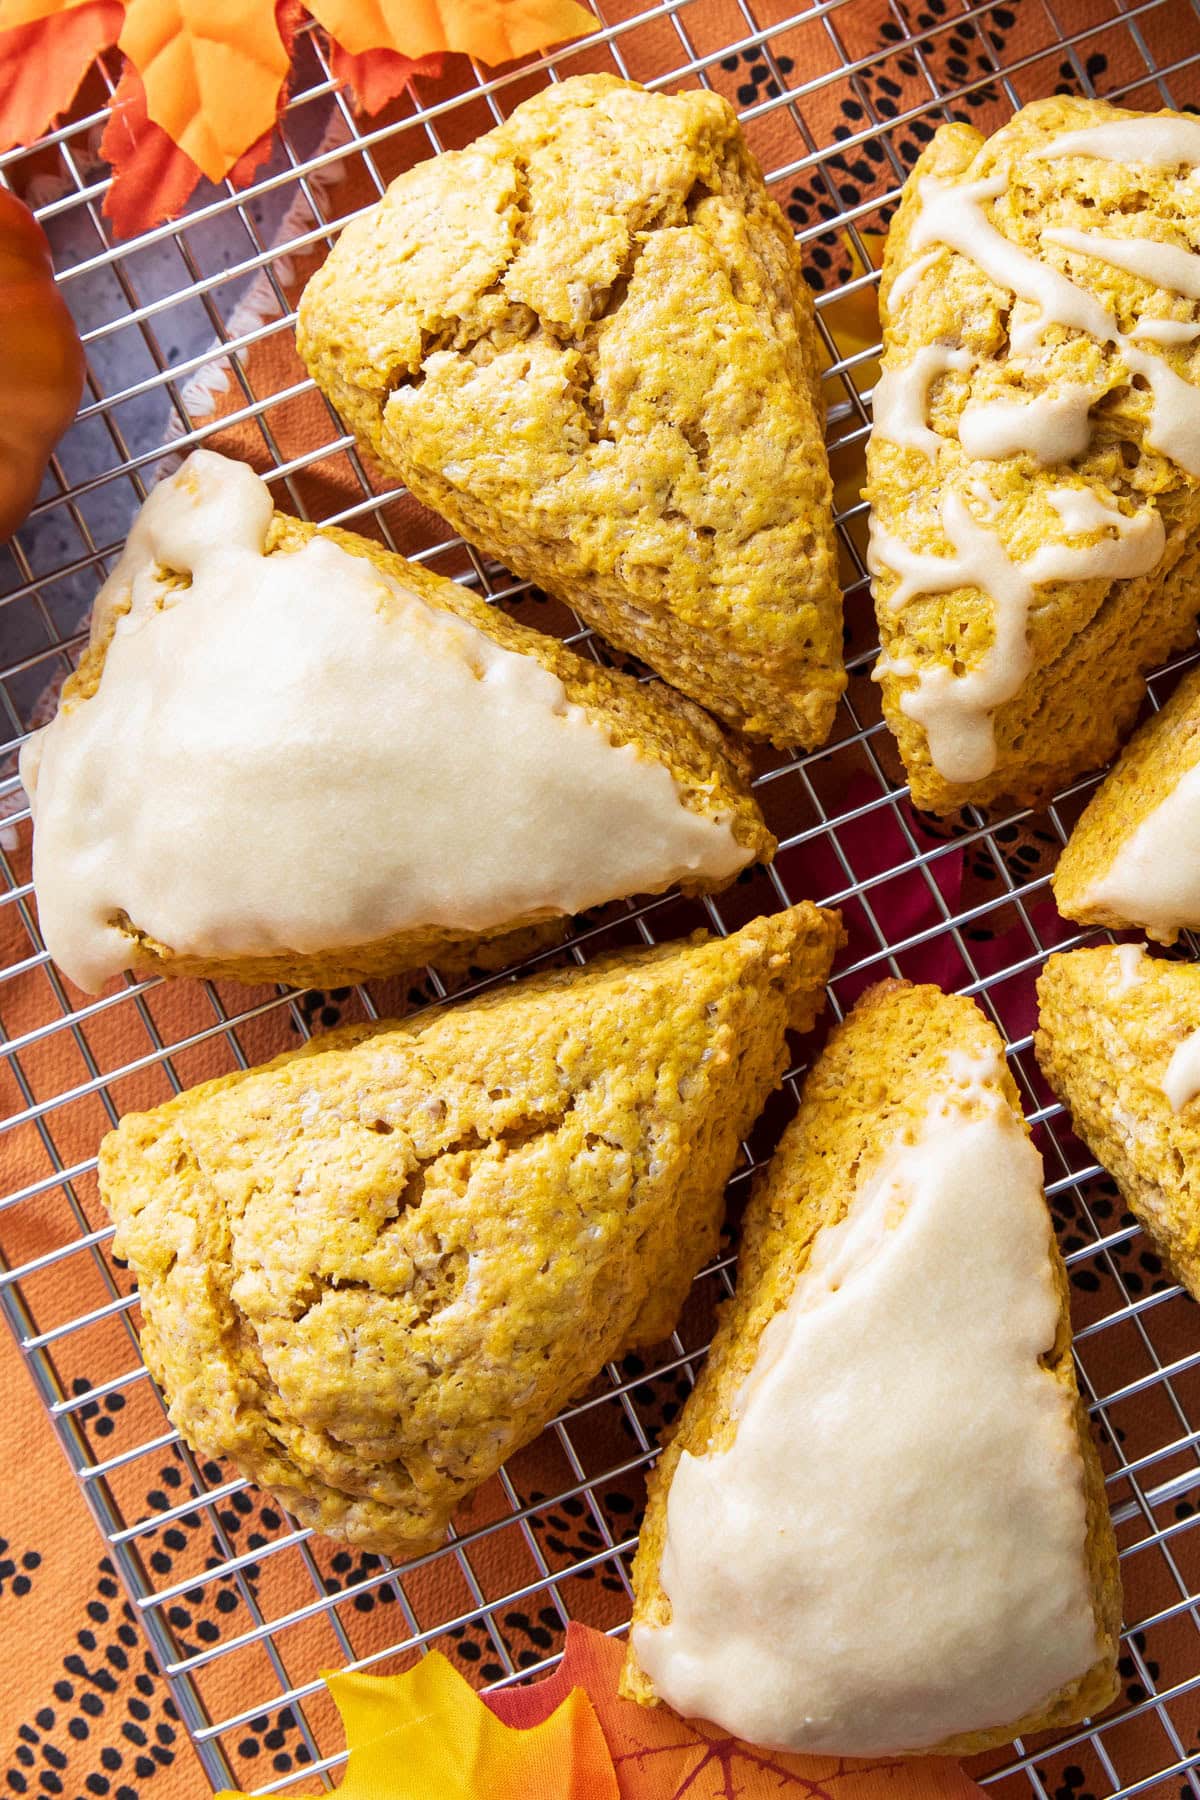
[240, 1606]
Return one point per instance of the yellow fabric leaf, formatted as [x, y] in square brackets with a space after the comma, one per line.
[495, 31]
[428, 1733]
[212, 70]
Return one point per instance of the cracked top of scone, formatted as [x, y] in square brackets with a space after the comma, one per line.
[374, 1267]
[586, 341]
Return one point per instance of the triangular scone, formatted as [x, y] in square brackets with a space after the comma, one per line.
[291, 755]
[1034, 467]
[587, 341]
[1118, 1039]
[1134, 856]
[880, 1525]
[370, 1272]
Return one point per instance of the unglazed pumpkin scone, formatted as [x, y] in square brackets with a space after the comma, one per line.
[1034, 465]
[587, 342]
[1134, 856]
[1118, 1039]
[291, 755]
[371, 1271]
[879, 1526]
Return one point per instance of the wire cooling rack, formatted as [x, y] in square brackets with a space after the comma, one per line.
[240, 1607]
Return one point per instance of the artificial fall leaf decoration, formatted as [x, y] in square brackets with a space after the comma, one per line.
[572, 1737]
[212, 71]
[204, 80]
[378, 77]
[44, 55]
[428, 1733]
[658, 1756]
[153, 178]
[493, 30]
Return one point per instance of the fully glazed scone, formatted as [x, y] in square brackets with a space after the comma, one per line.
[1034, 466]
[587, 342]
[1134, 856]
[1118, 1039]
[371, 1271]
[291, 755]
[879, 1527]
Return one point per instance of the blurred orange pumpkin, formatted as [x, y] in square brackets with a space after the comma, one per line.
[41, 361]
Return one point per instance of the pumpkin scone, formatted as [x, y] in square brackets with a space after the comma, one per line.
[879, 1527]
[289, 754]
[1118, 1039]
[1034, 464]
[371, 1270]
[1134, 856]
[586, 340]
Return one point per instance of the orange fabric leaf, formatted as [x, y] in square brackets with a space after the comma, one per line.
[493, 30]
[427, 1732]
[659, 1756]
[153, 179]
[376, 77]
[44, 58]
[212, 71]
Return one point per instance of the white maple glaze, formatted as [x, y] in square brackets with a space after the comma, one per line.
[1181, 1083]
[1165, 331]
[908, 278]
[1051, 427]
[954, 214]
[1153, 879]
[901, 396]
[1165, 265]
[296, 752]
[1131, 966]
[892, 1550]
[1156, 143]
[956, 710]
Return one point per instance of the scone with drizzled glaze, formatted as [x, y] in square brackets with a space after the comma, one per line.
[290, 755]
[1034, 465]
[879, 1526]
[587, 341]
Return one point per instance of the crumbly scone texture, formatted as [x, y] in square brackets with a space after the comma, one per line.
[1150, 767]
[1093, 642]
[371, 1270]
[874, 1079]
[1103, 1042]
[587, 342]
[711, 770]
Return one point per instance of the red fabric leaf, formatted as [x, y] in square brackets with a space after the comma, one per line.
[378, 76]
[43, 63]
[659, 1756]
[153, 179]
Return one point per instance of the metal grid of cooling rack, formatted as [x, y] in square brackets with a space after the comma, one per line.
[164, 308]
